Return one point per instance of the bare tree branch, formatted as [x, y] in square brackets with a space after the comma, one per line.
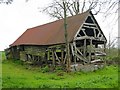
[6, 2]
[83, 6]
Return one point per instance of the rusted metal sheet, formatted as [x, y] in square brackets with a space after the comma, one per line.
[51, 33]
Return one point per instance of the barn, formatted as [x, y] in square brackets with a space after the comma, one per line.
[45, 44]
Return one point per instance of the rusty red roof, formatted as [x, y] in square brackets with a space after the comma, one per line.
[52, 33]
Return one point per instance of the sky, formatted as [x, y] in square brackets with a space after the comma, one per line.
[17, 17]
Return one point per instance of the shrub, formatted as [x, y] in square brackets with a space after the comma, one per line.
[18, 62]
[59, 68]
[45, 69]
[116, 58]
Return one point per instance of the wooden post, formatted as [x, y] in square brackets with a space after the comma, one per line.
[53, 57]
[48, 55]
[66, 36]
[74, 44]
[62, 55]
[105, 47]
[90, 50]
[84, 52]
[94, 53]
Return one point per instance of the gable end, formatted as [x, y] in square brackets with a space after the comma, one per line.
[90, 29]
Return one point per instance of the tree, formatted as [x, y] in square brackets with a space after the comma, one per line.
[6, 1]
[66, 36]
[55, 9]
[73, 7]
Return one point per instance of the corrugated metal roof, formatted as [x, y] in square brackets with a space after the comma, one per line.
[52, 33]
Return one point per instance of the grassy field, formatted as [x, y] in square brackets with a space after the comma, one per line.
[17, 75]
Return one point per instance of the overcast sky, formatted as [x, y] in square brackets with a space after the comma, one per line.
[18, 16]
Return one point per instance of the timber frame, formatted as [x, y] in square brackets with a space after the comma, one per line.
[88, 44]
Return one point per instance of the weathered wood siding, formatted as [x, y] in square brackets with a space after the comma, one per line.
[39, 51]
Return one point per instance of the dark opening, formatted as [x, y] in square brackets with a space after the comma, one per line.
[89, 31]
[100, 35]
[89, 20]
[78, 35]
[22, 48]
[79, 43]
[96, 32]
[58, 54]
[81, 33]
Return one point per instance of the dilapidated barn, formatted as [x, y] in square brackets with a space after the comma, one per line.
[46, 43]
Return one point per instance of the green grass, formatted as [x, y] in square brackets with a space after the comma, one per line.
[0, 70]
[17, 75]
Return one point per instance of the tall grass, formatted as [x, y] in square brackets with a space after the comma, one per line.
[0, 70]
[18, 75]
[112, 54]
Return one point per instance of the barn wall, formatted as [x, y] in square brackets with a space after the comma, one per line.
[12, 53]
[32, 52]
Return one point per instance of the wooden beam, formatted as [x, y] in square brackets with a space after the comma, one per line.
[48, 55]
[94, 33]
[80, 57]
[101, 37]
[84, 51]
[79, 35]
[90, 27]
[90, 50]
[98, 34]
[89, 24]
[84, 32]
[53, 57]
[105, 47]
[57, 57]
[72, 49]
[74, 44]
[77, 50]
[62, 55]
[84, 37]
[65, 58]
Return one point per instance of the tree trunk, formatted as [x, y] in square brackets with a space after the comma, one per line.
[66, 38]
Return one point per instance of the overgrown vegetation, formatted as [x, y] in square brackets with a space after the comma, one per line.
[112, 56]
[17, 74]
